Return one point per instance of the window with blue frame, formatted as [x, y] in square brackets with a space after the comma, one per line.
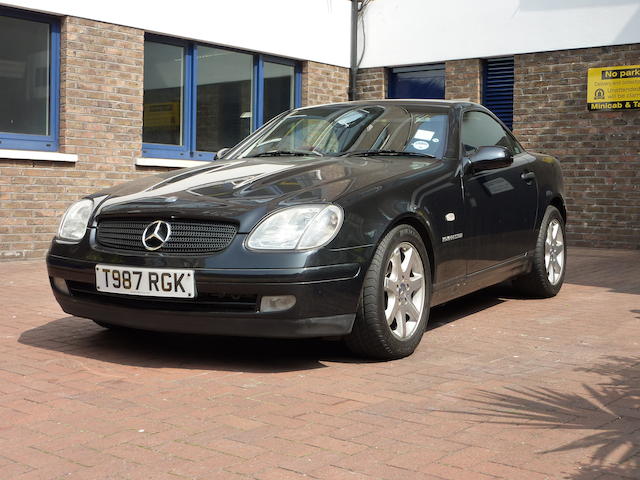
[29, 80]
[423, 81]
[199, 99]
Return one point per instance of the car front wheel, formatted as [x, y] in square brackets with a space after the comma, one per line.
[395, 299]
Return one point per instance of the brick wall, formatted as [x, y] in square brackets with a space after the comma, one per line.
[324, 83]
[371, 83]
[463, 80]
[100, 121]
[101, 107]
[599, 151]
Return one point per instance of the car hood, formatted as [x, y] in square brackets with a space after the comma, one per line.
[244, 190]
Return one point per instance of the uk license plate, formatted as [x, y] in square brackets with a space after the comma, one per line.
[150, 282]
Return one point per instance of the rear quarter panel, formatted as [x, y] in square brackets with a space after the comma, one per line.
[550, 182]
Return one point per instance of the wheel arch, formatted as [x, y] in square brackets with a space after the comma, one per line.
[425, 234]
[558, 202]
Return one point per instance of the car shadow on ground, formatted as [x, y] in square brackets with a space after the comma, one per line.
[81, 337]
[469, 304]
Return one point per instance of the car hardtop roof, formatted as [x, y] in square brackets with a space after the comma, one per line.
[406, 102]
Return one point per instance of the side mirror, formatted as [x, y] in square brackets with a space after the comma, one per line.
[490, 158]
[220, 153]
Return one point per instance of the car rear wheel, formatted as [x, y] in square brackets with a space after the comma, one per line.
[549, 259]
[395, 299]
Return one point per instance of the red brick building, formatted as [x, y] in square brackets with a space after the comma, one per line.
[90, 97]
[599, 150]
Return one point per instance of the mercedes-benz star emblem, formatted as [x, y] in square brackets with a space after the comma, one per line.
[156, 235]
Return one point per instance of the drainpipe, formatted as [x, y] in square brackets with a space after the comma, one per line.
[354, 50]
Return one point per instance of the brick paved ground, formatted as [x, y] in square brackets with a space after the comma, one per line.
[500, 387]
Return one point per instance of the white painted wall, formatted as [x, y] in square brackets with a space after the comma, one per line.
[405, 32]
[398, 32]
[316, 30]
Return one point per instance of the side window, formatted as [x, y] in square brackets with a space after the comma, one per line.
[480, 130]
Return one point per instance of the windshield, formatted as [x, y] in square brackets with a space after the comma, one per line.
[349, 129]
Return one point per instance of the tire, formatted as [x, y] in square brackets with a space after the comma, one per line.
[405, 301]
[541, 282]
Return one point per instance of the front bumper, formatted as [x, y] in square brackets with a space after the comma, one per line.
[228, 300]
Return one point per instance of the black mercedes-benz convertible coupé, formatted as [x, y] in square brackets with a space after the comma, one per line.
[348, 219]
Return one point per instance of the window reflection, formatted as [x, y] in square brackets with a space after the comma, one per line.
[199, 99]
[24, 76]
[224, 98]
[279, 83]
[163, 93]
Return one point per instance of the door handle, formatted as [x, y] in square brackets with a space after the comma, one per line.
[528, 176]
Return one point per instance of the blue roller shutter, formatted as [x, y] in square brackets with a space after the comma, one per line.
[498, 88]
[425, 81]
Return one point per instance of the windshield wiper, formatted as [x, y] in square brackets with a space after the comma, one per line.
[287, 153]
[390, 153]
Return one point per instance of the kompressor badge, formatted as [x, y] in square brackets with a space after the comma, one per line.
[448, 238]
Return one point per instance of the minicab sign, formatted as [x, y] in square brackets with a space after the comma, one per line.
[613, 88]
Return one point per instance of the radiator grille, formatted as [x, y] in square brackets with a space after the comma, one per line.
[187, 236]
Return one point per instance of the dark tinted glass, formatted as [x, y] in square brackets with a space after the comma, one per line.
[163, 93]
[224, 98]
[24, 76]
[278, 89]
[480, 130]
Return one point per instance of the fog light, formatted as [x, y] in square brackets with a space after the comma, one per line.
[277, 303]
[61, 285]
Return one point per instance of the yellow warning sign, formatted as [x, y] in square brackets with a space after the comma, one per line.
[613, 88]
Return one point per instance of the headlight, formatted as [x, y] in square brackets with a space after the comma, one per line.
[297, 228]
[75, 220]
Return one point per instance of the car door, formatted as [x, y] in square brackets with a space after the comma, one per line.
[500, 204]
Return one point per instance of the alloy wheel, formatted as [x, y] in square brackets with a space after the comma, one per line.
[554, 252]
[404, 288]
